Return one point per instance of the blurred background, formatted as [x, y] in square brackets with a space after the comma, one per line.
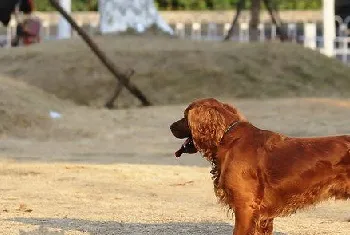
[69, 165]
[204, 19]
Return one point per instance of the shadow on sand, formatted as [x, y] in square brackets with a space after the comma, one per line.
[116, 228]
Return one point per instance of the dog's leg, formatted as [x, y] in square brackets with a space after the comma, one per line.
[265, 227]
[245, 221]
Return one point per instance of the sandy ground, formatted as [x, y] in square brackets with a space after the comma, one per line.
[117, 173]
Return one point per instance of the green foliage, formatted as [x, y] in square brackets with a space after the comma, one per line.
[231, 4]
[299, 4]
[77, 5]
[42, 5]
[191, 4]
[91, 5]
[223, 4]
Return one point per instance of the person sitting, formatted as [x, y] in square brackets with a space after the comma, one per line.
[28, 27]
[27, 32]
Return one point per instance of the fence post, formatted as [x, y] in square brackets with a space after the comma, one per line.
[328, 27]
[10, 32]
[343, 28]
[180, 30]
[196, 33]
[212, 31]
[93, 27]
[8, 36]
[347, 21]
[244, 32]
[261, 28]
[226, 29]
[292, 31]
[45, 30]
[344, 49]
[64, 28]
[310, 35]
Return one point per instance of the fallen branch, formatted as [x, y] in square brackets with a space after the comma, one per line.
[117, 91]
[123, 78]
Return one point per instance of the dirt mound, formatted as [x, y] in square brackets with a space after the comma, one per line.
[25, 111]
[177, 71]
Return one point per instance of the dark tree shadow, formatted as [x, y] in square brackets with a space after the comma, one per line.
[116, 228]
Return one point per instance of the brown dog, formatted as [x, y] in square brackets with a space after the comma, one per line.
[261, 174]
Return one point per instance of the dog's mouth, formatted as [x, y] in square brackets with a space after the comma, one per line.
[186, 147]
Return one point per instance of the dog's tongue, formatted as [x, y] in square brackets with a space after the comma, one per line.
[183, 148]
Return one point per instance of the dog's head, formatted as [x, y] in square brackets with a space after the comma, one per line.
[203, 125]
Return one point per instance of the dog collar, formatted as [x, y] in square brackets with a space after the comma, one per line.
[229, 128]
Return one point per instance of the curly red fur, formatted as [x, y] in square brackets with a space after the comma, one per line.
[262, 174]
[208, 121]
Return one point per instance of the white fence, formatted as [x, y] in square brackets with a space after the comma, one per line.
[308, 34]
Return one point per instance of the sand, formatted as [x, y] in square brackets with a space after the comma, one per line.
[122, 178]
[100, 172]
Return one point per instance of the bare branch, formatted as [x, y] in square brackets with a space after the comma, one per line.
[123, 79]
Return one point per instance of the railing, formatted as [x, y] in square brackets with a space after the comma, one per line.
[47, 32]
[342, 50]
[308, 34]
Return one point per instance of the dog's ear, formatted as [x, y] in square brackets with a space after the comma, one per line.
[207, 125]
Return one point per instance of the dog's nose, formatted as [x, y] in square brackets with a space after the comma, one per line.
[180, 129]
[173, 128]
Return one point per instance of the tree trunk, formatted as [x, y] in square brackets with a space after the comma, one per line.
[254, 20]
[273, 11]
[239, 8]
